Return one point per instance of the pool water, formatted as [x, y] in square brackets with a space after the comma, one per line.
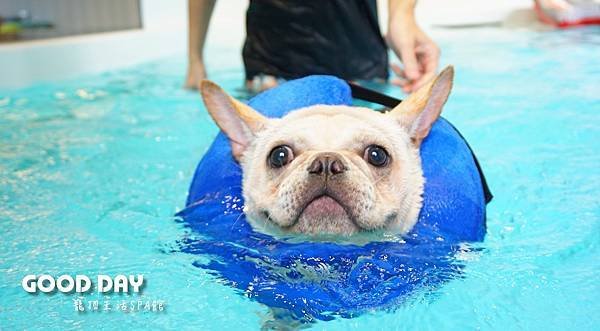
[92, 171]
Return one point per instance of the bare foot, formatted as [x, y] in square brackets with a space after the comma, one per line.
[195, 74]
[260, 83]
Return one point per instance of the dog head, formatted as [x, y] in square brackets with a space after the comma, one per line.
[331, 169]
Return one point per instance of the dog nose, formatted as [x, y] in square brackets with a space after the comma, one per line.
[326, 164]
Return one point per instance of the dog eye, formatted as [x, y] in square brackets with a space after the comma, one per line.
[280, 156]
[376, 155]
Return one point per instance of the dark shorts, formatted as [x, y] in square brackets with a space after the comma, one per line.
[295, 38]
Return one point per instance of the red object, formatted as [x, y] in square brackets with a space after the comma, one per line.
[564, 24]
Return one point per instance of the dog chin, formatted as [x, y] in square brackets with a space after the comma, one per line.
[324, 216]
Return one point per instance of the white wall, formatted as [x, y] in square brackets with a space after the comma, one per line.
[24, 63]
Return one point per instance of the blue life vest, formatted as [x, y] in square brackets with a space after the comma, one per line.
[323, 279]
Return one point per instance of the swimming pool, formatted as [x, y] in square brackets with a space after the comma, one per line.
[93, 169]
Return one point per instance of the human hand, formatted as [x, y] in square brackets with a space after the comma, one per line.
[195, 74]
[418, 53]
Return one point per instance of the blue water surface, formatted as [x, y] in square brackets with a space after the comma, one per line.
[93, 169]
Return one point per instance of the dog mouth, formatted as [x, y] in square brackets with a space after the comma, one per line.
[324, 214]
[322, 206]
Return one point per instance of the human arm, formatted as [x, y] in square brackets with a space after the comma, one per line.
[418, 53]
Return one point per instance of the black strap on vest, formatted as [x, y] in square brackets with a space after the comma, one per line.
[363, 93]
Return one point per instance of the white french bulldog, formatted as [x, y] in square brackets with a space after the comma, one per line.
[330, 170]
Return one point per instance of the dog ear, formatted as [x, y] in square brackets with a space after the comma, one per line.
[236, 119]
[423, 107]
